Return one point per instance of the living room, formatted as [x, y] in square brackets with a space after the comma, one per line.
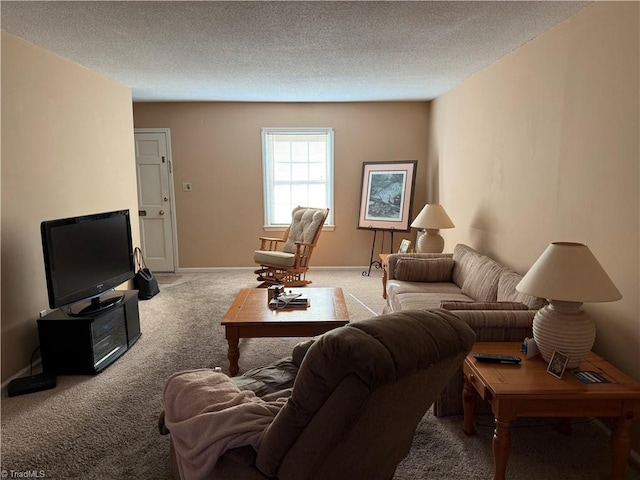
[538, 147]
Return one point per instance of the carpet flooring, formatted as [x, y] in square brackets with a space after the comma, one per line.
[104, 426]
[167, 278]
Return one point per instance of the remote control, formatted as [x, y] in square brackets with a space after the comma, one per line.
[495, 358]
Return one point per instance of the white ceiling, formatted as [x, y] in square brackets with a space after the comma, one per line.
[283, 50]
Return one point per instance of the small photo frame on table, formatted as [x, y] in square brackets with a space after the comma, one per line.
[405, 245]
[557, 364]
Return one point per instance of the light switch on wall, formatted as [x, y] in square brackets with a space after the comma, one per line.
[186, 187]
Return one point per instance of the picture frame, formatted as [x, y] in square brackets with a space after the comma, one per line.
[557, 364]
[386, 196]
[405, 245]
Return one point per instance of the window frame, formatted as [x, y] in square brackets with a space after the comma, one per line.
[267, 172]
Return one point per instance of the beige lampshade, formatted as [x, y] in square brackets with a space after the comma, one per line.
[569, 272]
[432, 216]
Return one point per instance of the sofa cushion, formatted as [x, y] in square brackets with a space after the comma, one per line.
[424, 269]
[463, 257]
[482, 281]
[507, 291]
[393, 258]
[451, 305]
[397, 286]
[423, 301]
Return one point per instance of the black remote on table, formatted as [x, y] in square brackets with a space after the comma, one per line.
[495, 358]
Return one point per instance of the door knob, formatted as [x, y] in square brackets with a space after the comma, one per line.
[161, 212]
[166, 199]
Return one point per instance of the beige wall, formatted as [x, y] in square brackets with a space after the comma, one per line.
[543, 146]
[67, 149]
[217, 147]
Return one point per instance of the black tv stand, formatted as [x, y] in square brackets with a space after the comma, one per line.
[87, 343]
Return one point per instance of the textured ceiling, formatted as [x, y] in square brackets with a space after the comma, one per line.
[283, 51]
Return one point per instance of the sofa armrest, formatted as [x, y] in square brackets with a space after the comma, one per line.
[416, 265]
[498, 325]
[459, 305]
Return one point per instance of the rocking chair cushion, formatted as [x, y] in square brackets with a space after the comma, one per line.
[274, 257]
[304, 225]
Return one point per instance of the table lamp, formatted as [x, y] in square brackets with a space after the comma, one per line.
[567, 274]
[432, 217]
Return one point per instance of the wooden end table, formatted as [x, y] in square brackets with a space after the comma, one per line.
[249, 316]
[527, 390]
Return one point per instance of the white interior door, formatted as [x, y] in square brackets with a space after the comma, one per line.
[155, 199]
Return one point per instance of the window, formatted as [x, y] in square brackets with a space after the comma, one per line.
[297, 165]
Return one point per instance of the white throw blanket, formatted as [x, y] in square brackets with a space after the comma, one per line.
[207, 414]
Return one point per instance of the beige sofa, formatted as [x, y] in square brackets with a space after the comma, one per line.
[474, 287]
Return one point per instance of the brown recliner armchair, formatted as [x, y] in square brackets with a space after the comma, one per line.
[357, 398]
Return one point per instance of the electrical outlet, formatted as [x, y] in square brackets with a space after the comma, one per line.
[43, 313]
[186, 187]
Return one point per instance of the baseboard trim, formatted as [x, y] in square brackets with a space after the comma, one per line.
[210, 269]
[185, 270]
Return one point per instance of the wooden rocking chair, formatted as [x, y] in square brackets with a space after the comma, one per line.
[288, 266]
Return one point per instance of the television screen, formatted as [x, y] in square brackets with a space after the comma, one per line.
[86, 256]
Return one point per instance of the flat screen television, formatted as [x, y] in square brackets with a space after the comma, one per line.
[86, 257]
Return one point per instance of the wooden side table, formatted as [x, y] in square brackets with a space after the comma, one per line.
[385, 267]
[527, 390]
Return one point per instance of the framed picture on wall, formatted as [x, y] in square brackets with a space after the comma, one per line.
[386, 197]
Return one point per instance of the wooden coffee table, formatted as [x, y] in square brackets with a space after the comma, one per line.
[249, 316]
[527, 390]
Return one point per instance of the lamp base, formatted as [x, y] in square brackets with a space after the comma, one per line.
[564, 327]
[430, 242]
